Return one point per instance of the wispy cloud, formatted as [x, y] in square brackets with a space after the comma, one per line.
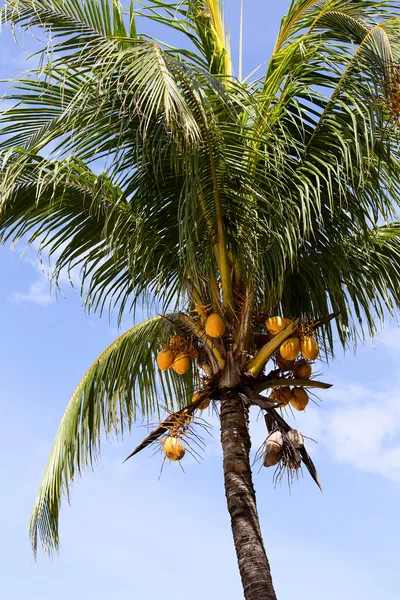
[364, 429]
[360, 427]
[40, 291]
[37, 293]
[390, 337]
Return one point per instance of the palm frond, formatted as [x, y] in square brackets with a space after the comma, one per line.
[122, 380]
[80, 23]
[202, 22]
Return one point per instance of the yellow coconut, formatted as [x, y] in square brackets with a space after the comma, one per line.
[282, 395]
[290, 348]
[277, 324]
[309, 347]
[299, 399]
[283, 364]
[174, 449]
[176, 343]
[215, 326]
[181, 363]
[302, 370]
[165, 359]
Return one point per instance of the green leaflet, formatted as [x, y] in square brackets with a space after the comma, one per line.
[123, 379]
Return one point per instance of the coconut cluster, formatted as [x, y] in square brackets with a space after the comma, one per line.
[298, 343]
[173, 446]
[297, 397]
[179, 351]
[285, 447]
[293, 356]
[176, 356]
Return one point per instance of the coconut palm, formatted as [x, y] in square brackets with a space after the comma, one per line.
[219, 204]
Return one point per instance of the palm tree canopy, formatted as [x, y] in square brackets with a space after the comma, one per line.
[157, 172]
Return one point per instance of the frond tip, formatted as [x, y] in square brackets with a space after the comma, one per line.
[122, 378]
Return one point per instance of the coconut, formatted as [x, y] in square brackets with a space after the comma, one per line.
[165, 359]
[174, 449]
[295, 437]
[271, 459]
[181, 363]
[283, 364]
[273, 450]
[276, 325]
[205, 404]
[309, 347]
[302, 370]
[290, 348]
[275, 441]
[282, 395]
[299, 399]
[215, 326]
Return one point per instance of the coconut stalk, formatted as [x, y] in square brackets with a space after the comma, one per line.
[274, 383]
[243, 335]
[258, 362]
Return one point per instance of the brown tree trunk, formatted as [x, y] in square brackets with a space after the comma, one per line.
[253, 563]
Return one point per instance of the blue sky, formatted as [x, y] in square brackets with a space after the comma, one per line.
[129, 534]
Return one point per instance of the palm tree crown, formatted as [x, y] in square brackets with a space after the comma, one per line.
[169, 181]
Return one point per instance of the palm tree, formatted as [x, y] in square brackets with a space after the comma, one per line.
[219, 204]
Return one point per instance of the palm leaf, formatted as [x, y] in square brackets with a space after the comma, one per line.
[122, 380]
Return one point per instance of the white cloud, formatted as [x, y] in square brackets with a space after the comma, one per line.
[390, 337]
[360, 427]
[37, 293]
[364, 430]
[40, 290]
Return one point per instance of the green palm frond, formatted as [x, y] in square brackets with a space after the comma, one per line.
[81, 23]
[360, 278]
[87, 223]
[304, 14]
[122, 380]
[202, 21]
[207, 15]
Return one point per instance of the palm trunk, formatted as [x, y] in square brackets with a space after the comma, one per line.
[253, 563]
